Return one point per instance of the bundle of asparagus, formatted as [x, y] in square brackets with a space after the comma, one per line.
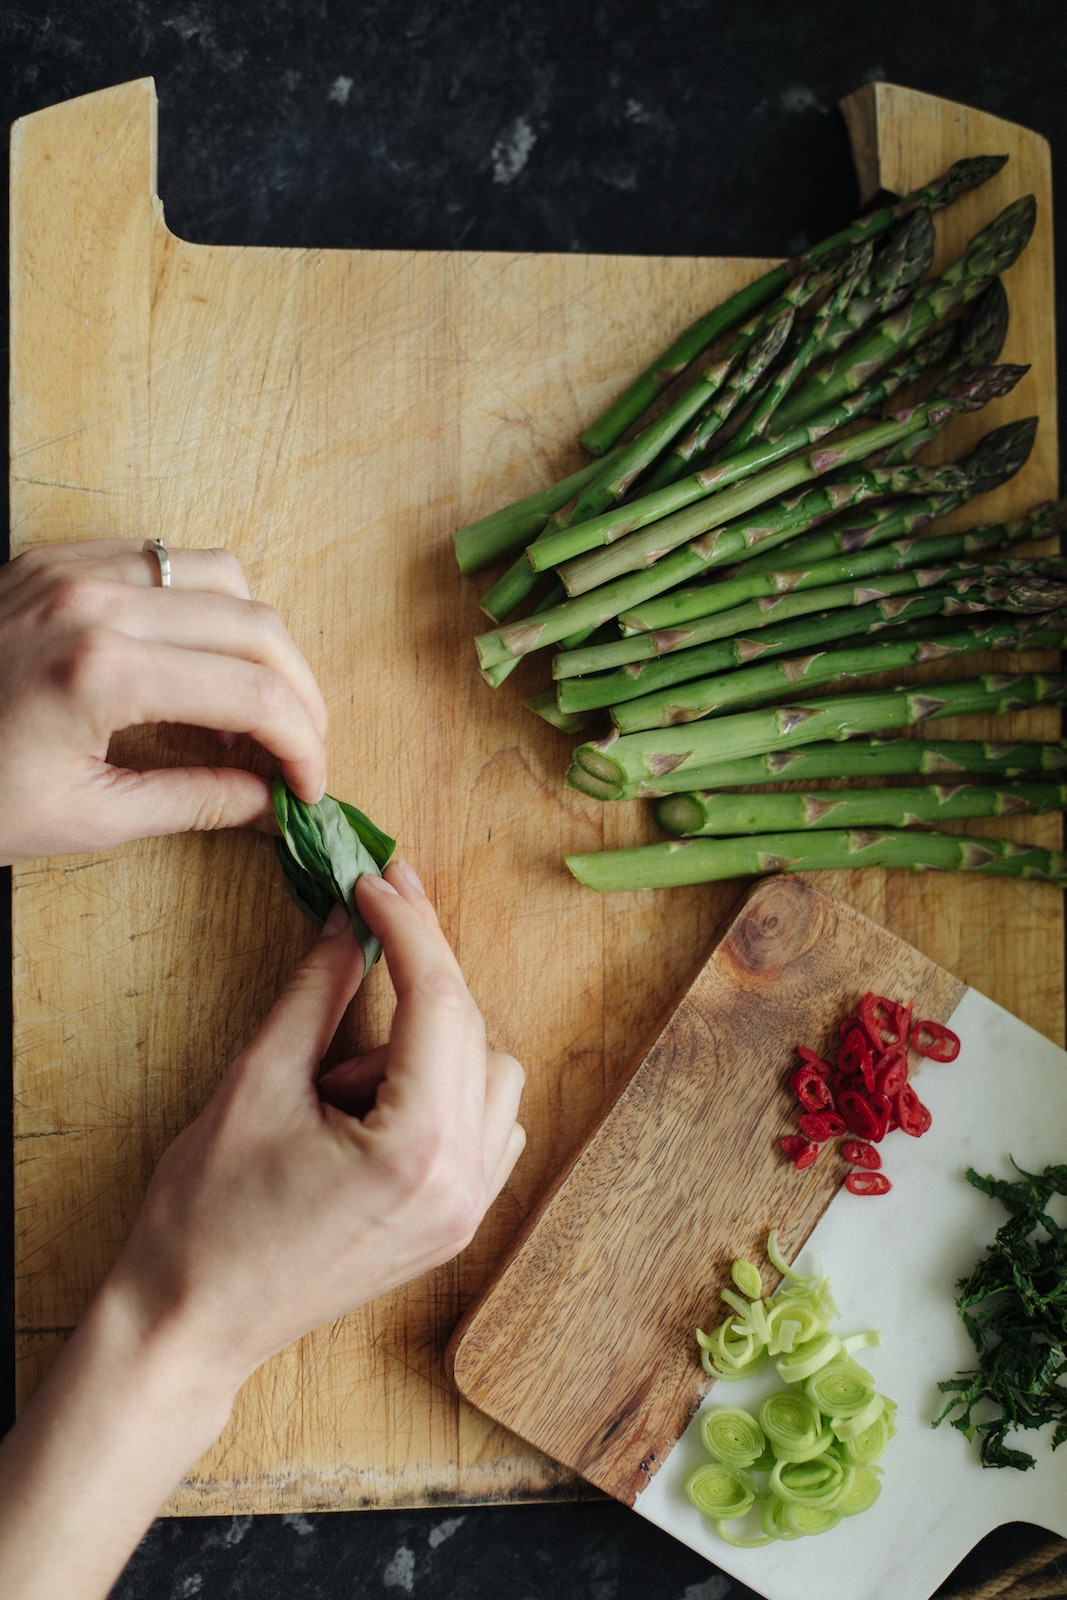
[694, 575]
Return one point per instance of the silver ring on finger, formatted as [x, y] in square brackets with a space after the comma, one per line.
[159, 550]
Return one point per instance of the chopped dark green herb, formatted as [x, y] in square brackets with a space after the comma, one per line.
[1014, 1304]
[323, 849]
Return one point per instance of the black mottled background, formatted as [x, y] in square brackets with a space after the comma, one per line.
[665, 126]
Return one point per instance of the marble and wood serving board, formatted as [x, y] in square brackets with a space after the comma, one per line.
[332, 416]
[583, 1342]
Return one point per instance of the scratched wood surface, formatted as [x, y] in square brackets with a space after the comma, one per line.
[332, 416]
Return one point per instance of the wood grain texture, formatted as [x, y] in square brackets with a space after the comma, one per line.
[331, 417]
[583, 1343]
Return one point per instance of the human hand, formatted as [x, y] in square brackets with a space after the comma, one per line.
[294, 1198]
[89, 645]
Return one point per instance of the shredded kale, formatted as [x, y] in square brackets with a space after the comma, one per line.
[1014, 1305]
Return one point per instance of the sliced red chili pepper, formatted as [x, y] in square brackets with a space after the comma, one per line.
[861, 1154]
[891, 1070]
[935, 1041]
[867, 1183]
[811, 1088]
[802, 1152]
[912, 1115]
[854, 1056]
[884, 1020]
[811, 1059]
[883, 1110]
[821, 1125]
[865, 1115]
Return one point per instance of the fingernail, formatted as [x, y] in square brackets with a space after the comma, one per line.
[411, 875]
[373, 881]
[336, 922]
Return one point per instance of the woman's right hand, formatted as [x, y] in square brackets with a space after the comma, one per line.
[294, 1198]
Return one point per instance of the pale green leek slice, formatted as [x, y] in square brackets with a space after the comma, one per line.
[809, 1519]
[795, 1428]
[747, 1278]
[808, 1358]
[800, 1316]
[720, 1491]
[772, 1519]
[865, 1448]
[840, 1388]
[744, 1541]
[733, 1436]
[860, 1421]
[870, 1339]
[821, 1482]
[731, 1354]
[861, 1494]
[785, 1337]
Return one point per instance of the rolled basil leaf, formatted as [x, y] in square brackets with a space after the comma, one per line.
[323, 850]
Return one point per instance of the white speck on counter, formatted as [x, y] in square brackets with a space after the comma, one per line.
[636, 112]
[400, 1571]
[714, 1588]
[189, 1586]
[512, 150]
[340, 89]
[298, 1522]
[798, 98]
[444, 1530]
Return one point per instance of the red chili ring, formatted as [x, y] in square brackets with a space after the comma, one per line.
[935, 1041]
[867, 1183]
[861, 1154]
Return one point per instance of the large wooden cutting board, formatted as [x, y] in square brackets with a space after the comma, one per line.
[331, 416]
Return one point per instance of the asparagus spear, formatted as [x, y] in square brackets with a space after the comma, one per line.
[768, 527]
[854, 758]
[516, 584]
[789, 675]
[566, 543]
[716, 815]
[999, 454]
[990, 252]
[811, 342]
[588, 611]
[510, 529]
[612, 424]
[968, 585]
[637, 679]
[681, 861]
[624, 760]
[885, 289]
[495, 675]
[905, 259]
[685, 605]
[981, 340]
[715, 396]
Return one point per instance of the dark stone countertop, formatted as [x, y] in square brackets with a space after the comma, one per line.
[666, 126]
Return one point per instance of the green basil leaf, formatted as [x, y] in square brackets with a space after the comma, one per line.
[324, 849]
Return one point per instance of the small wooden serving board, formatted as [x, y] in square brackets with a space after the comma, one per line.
[584, 1342]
